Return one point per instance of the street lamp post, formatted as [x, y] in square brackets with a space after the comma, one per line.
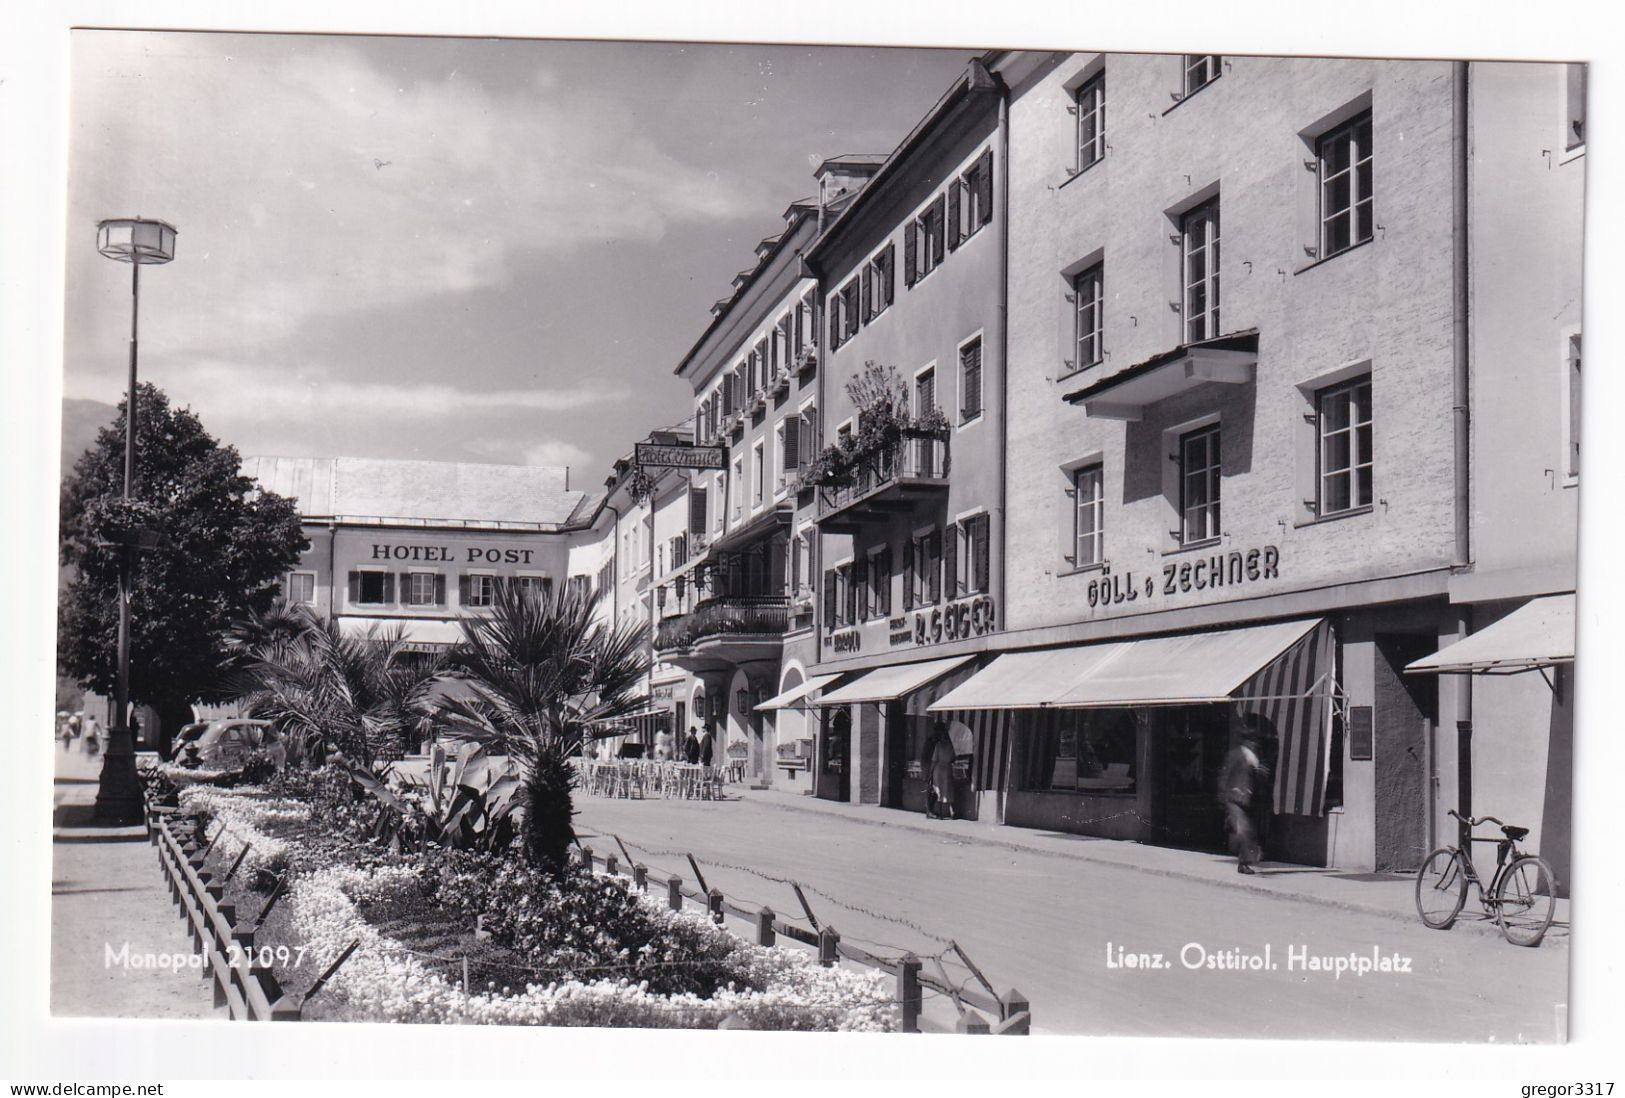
[138, 242]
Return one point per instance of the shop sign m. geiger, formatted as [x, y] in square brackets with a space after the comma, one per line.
[1232, 569]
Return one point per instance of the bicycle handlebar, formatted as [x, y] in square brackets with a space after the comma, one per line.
[1475, 822]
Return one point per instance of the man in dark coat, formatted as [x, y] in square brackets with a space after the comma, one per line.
[1243, 768]
[691, 745]
[707, 747]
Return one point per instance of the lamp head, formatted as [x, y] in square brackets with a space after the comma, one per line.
[136, 240]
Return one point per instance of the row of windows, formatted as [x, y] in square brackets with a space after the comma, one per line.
[946, 222]
[770, 360]
[1344, 471]
[939, 565]
[379, 588]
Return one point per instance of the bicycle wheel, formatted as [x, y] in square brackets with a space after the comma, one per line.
[1525, 901]
[1441, 888]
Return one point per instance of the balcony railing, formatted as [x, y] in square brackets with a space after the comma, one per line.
[912, 460]
[725, 615]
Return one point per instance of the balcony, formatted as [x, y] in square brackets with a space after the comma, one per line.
[727, 629]
[890, 481]
[807, 360]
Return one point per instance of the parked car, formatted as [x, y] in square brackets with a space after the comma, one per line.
[223, 744]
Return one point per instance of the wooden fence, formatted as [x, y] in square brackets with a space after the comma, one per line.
[980, 1009]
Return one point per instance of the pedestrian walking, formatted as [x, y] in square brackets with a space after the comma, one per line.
[93, 735]
[691, 746]
[1242, 769]
[938, 764]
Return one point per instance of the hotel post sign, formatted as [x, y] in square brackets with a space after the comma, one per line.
[649, 455]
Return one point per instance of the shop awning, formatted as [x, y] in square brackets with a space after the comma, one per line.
[793, 695]
[1025, 680]
[1184, 670]
[1189, 669]
[1540, 633]
[420, 634]
[886, 683]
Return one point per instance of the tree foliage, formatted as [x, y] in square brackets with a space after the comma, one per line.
[223, 545]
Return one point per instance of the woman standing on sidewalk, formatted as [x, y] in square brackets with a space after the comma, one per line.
[939, 769]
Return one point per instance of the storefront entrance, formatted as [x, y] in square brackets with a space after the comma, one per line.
[1188, 745]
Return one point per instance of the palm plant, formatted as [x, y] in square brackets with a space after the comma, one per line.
[325, 689]
[540, 672]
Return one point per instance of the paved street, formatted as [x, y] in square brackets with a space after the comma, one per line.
[1043, 920]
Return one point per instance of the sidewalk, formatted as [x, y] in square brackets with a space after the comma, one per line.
[1389, 895]
[107, 891]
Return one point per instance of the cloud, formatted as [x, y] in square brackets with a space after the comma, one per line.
[557, 452]
[307, 180]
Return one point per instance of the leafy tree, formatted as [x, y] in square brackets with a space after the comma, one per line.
[540, 671]
[223, 545]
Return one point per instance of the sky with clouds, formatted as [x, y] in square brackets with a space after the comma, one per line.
[451, 249]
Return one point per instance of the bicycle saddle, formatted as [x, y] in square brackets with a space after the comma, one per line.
[1514, 833]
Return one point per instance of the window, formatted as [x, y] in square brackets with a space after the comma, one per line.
[425, 589]
[301, 587]
[1199, 485]
[843, 313]
[806, 326]
[1345, 186]
[1088, 299]
[1575, 132]
[372, 588]
[878, 283]
[479, 590]
[1343, 413]
[1199, 231]
[807, 437]
[970, 200]
[1201, 69]
[1090, 104]
[1088, 516]
[581, 586]
[965, 557]
[789, 448]
[537, 586]
[1084, 751]
[738, 487]
[759, 462]
[970, 380]
[922, 570]
[923, 242]
[1574, 404]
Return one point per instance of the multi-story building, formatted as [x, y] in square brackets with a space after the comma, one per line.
[413, 544]
[1266, 500]
[736, 542]
[908, 486]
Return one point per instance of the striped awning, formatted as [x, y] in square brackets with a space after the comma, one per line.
[418, 634]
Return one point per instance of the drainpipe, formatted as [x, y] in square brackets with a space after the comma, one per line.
[1460, 422]
[615, 565]
[1004, 349]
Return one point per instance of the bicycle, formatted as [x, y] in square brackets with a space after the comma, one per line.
[1522, 894]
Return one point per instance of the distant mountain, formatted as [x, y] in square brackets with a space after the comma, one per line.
[81, 419]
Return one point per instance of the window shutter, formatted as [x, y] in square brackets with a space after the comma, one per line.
[908, 575]
[953, 213]
[938, 220]
[797, 332]
[950, 561]
[440, 589]
[355, 587]
[933, 564]
[984, 183]
[696, 510]
[884, 568]
[911, 258]
[980, 531]
[888, 288]
[727, 394]
[792, 443]
[389, 587]
[970, 371]
[462, 590]
[854, 290]
[866, 293]
[406, 587]
[860, 589]
[834, 322]
[829, 598]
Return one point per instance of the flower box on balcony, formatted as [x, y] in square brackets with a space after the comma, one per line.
[807, 360]
[780, 384]
[758, 403]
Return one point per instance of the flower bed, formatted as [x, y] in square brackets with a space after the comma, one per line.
[581, 951]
